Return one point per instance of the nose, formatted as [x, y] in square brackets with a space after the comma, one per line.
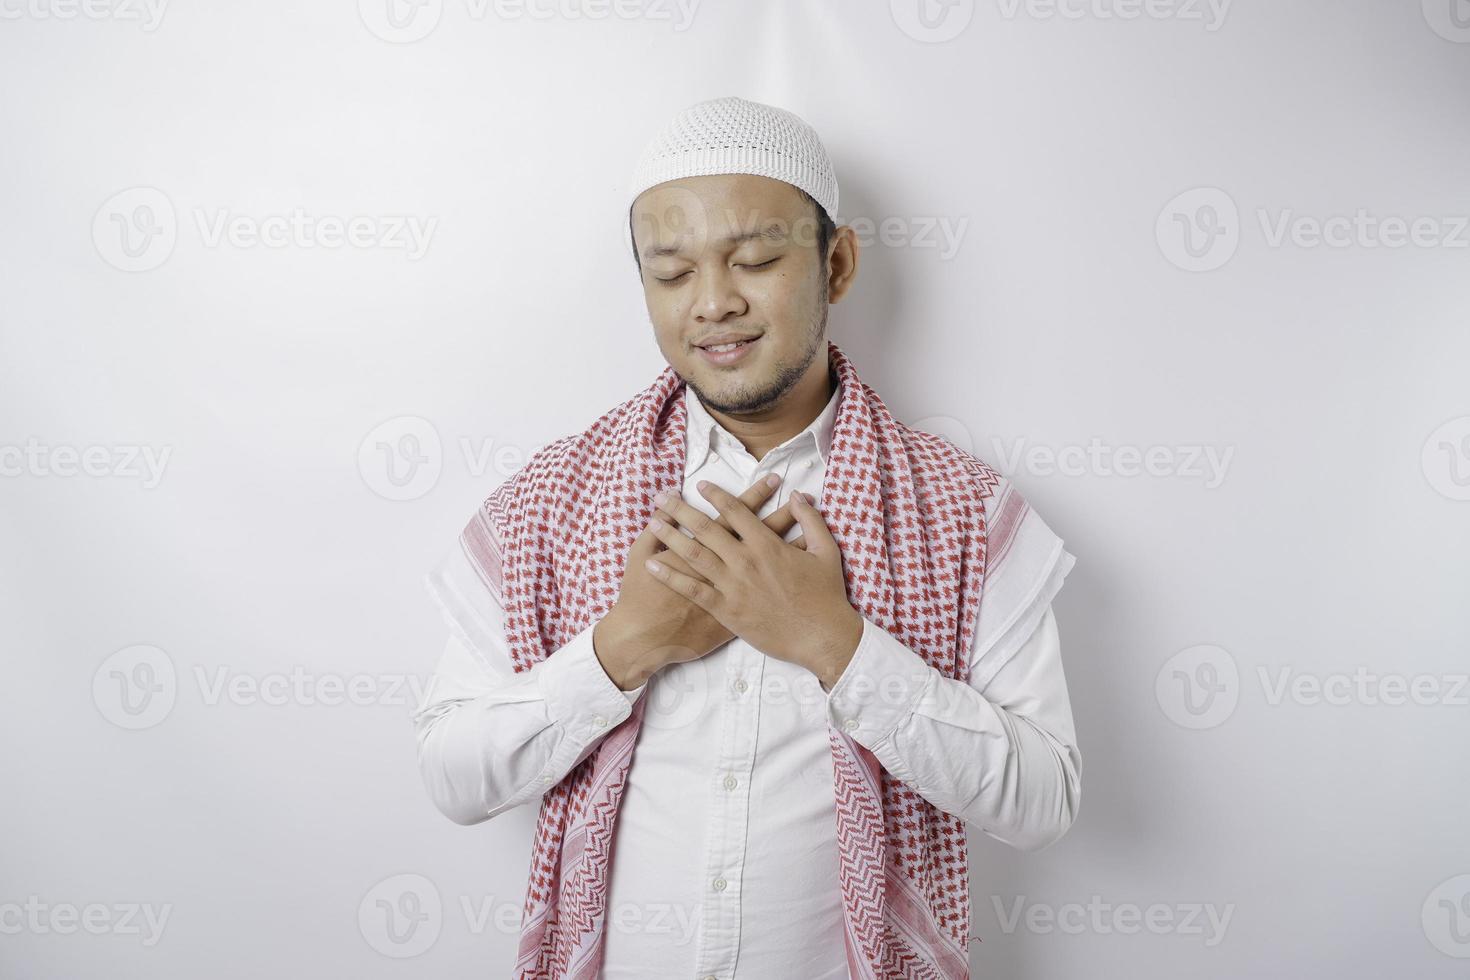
[716, 297]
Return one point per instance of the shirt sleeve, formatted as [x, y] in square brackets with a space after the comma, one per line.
[489, 738]
[998, 748]
[1003, 758]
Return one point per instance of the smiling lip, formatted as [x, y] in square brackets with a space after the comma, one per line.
[723, 358]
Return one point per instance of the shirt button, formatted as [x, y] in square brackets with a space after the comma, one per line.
[850, 724]
[720, 884]
[810, 463]
[599, 721]
[740, 685]
[731, 782]
[546, 779]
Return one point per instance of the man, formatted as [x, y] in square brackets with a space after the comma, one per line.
[828, 647]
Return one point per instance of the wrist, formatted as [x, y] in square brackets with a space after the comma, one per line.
[618, 655]
[838, 648]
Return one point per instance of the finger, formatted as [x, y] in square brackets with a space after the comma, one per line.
[813, 526]
[782, 520]
[647, 545]
[746, 524]
[696, 555]
[702, 594]
[706, 529]
[755, 497]
[669, 558]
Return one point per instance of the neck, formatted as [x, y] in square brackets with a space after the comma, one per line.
[760, 432]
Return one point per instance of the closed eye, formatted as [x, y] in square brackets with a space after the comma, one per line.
[686, 272]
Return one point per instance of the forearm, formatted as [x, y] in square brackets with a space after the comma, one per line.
[1008, 777]
[1014, 772]
[488, 742]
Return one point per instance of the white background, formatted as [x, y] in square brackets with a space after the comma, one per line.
[1069, 319]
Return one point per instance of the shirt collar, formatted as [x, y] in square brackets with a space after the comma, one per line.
[702, 430]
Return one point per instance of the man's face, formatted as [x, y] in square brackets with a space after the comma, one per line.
[733, 254]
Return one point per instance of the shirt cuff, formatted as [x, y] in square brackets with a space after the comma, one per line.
[880, 687]
[580, 696]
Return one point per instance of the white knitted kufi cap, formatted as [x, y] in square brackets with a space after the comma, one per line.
[732, 135]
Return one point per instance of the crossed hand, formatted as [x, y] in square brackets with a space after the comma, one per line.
[685, 594]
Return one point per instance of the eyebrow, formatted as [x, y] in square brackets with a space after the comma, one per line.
[771, 231]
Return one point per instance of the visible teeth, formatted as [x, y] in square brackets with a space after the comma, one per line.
[721, 348]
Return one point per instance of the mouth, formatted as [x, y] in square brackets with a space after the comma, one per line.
[724, 354]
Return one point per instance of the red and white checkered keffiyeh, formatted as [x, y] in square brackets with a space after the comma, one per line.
[907, 509]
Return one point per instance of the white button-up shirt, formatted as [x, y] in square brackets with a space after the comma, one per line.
[725, 861]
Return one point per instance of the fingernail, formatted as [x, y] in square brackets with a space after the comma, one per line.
[773, 480]
[662, 497]
[654, 566]
[655, 523]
